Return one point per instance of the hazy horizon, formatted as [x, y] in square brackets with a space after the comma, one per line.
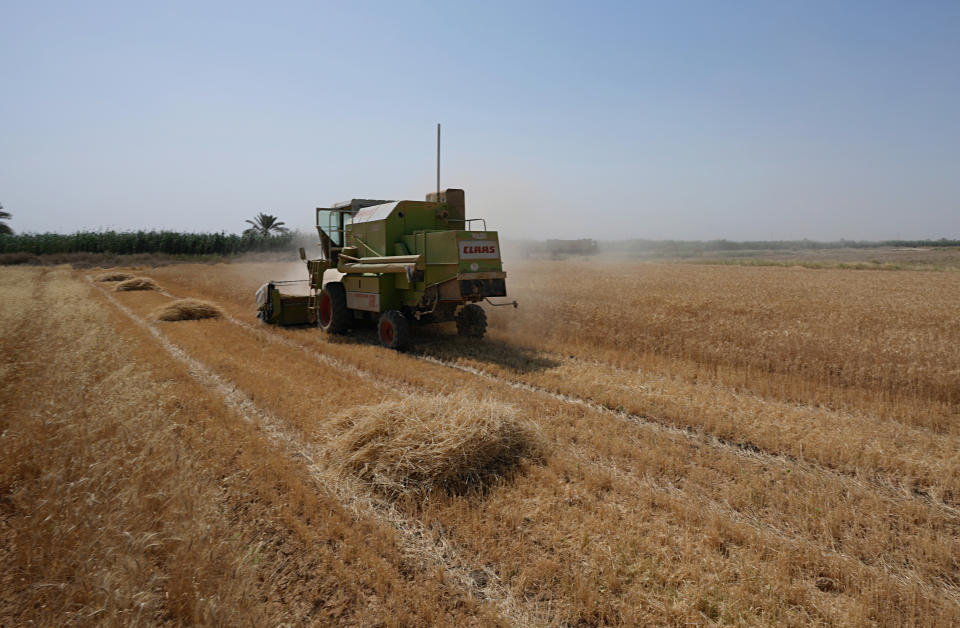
[613, 121]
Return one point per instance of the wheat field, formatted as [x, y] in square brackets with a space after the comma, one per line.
[638, 443]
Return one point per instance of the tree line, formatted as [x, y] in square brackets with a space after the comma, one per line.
[266, 233]
[131, 242]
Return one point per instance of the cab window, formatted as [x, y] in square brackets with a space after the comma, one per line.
[331, 221]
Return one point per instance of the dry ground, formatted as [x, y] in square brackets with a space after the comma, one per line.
[716, 445]
[884, 258]
[938, 258]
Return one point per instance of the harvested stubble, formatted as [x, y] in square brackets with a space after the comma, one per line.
[137, 283]
[629, 524]
[427, 442]
[113, 276]
[186, 310]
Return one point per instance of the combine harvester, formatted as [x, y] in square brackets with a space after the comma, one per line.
[559, 248]
[398, 263]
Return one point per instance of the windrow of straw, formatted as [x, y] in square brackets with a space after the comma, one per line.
[426, 442]
[137, 283]
[114, 276]
[186, 310]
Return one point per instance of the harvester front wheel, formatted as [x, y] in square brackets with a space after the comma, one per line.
[393, 329]
[332, 313]
[472, 321]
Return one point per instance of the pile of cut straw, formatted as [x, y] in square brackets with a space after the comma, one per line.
[186, 310]
[425, 442]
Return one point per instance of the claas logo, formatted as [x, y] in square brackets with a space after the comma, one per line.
[480, 249]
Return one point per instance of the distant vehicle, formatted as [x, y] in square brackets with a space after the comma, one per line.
[586, 246]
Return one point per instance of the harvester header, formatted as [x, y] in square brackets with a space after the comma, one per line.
[398, 263]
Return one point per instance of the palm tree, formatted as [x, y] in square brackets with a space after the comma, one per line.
[265, 225]
[4, 227]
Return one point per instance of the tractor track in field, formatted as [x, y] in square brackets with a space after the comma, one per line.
[903, 576]
[888, 483]
[420, 542]
[742, 449]
[427, 542]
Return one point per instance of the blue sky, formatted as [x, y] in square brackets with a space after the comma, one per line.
[687, 120]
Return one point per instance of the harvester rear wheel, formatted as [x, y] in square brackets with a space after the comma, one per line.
[332, 313]
[472, 321]
[393, 329]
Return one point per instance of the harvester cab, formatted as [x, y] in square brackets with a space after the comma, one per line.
[332, 222]
[400, 263]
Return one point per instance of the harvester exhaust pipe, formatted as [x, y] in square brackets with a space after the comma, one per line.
[438, 160]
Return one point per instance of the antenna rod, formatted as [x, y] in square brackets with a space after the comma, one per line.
[438, 161]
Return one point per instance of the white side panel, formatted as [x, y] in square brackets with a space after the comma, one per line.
[369, 301]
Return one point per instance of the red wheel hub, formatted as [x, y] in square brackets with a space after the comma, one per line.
[326, 309]
[386, 331]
